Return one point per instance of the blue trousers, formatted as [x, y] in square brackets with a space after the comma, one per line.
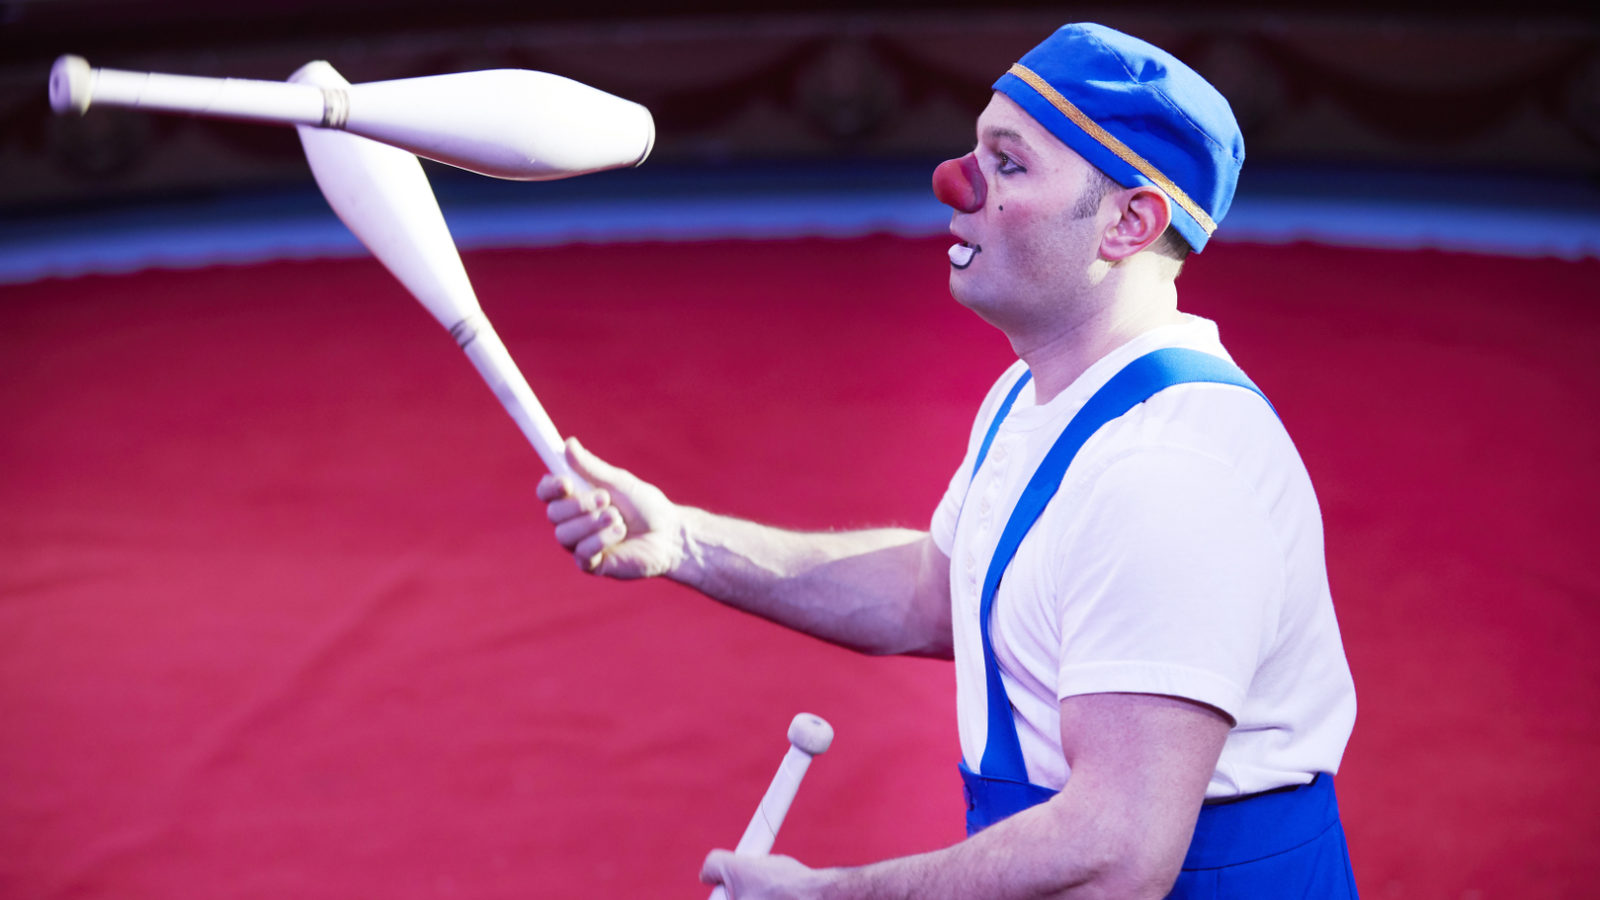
[1272, 846]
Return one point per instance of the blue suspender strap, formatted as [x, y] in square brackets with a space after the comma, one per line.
[1137, 382]
[1282, 843]
[999, 416]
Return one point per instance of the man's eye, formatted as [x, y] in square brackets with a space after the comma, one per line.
[1008, 166]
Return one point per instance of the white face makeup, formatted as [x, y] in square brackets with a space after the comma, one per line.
[961, 254]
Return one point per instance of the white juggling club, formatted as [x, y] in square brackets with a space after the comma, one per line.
[508, 123]
[383, 195]
[809, 736]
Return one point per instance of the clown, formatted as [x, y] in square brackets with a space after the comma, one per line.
[1127, 568]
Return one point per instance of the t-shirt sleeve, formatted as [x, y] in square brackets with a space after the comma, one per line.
[1178, 585]
[943, 526]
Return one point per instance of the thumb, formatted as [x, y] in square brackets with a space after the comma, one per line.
[715, 869]
[592, 468]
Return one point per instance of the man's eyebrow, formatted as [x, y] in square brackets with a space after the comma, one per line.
[998, 133]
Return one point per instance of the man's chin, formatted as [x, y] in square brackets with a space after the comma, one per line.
[965, 293]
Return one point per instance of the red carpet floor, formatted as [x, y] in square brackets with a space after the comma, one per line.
[280, 617]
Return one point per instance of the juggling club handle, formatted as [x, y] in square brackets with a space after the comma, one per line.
[483, 346]
[74, 86]
[809, 736]
[762, 831]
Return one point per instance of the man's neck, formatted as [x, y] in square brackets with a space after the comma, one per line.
[1058, 357]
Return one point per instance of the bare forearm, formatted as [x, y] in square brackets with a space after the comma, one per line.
[1036, 854]
[865, 590]
[878, 591]
[1120, 828]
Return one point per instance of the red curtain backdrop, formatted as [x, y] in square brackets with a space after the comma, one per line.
[280, 614]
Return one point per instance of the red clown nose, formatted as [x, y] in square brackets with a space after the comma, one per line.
[959, 184]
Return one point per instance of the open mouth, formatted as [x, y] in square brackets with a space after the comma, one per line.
[961, 254]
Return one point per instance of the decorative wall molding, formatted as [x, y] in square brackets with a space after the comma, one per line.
[1393, 91]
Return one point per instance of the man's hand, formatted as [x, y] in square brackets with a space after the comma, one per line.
[625, 528]
[763, 877]
[1120, 827]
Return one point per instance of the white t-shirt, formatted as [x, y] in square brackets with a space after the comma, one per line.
[1182, 556]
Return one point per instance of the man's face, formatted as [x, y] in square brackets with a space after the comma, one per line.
[1035, 241]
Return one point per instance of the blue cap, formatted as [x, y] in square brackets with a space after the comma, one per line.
[1139, 115]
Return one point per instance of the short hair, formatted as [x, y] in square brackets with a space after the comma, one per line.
[1170, 244]
[1173, 246]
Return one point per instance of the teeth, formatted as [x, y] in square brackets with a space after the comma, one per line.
[961, 255]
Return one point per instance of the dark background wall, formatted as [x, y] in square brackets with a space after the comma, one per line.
[1474, 86]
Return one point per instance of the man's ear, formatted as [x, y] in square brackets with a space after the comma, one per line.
[1145, 214]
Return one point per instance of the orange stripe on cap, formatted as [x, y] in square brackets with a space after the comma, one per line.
[1110, 142]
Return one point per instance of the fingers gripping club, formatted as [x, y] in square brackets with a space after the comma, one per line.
[809, 736]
